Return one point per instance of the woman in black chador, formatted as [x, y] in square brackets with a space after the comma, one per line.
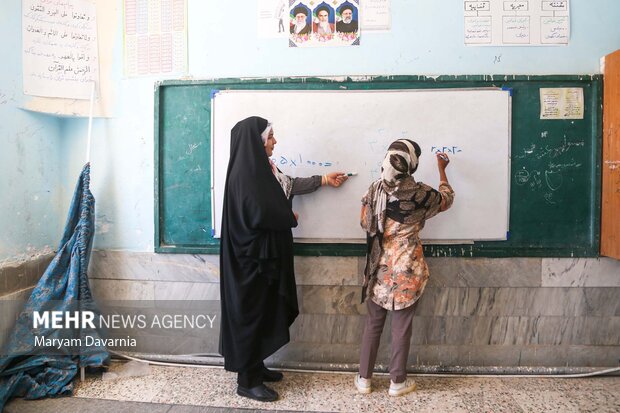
[257, 285]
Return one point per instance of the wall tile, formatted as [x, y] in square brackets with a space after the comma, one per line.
[24, 275]
[124, 265]
[484, 272]
[331, 300]
[113, 290]
[580, 272]
[327, 270]
[165, 290]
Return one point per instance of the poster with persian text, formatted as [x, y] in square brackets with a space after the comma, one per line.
[315, 23]
[516, 23]
[59, 48]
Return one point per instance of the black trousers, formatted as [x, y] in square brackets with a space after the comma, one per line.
[251, 377]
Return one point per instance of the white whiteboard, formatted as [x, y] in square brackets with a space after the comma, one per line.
[324, 131]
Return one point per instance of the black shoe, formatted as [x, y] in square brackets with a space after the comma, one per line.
[261, 393]
[272, 375]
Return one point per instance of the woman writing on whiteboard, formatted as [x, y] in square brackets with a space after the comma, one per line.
[394, 211]
[257, 282]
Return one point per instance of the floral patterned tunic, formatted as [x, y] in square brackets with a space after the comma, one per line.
[402, 271]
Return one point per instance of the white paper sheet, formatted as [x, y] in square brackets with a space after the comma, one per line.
[155, 37]
[59, 48]
[272, 19]
[376, 15]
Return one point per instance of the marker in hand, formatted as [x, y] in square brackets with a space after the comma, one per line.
[349, 174]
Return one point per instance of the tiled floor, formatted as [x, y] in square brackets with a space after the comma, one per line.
[186, 389]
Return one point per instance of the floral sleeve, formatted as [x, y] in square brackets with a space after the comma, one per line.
[365, 210]
[439, 200]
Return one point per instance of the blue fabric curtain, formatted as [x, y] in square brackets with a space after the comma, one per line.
[25, 369]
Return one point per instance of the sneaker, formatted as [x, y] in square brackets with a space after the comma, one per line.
[398, 389]
[363, 385]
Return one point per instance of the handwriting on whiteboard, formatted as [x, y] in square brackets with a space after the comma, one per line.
[299, 160]
[445, 149]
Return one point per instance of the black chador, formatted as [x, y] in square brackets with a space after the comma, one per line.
[257, 285]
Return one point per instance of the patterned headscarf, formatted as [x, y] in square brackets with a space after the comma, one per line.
[401, 161]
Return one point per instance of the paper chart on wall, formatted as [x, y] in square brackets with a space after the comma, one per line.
[59, 48]
[561, 103]
[314, 24]
[516, 23]
[155, 37]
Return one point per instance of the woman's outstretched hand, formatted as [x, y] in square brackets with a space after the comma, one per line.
[335, 179]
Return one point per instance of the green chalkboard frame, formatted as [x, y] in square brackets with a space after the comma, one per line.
[556, 224]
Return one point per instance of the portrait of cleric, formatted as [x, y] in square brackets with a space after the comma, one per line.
[323, 24]
[300, 22]
[348, 18]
